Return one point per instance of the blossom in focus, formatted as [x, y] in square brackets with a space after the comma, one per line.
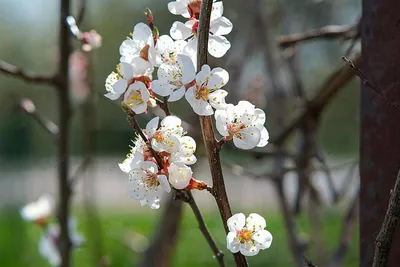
[39, 211]
[174, 76]
[179, 175]
[218, 45]
[191, 8]
[136, 97]
[167, 50]
[166, 137]
[48, 244]
[185, 154]
[139, 50]
[147, 185]
[206, 93]
[247, 236]
[117, 82]
[244, 124]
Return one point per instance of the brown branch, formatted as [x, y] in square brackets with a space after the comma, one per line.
[26, 75]
[383, 242]
[344, 32]
[48, 125]
[219, 190]
[317, 104]
[366, 82]
[81, 12]
[64, 106]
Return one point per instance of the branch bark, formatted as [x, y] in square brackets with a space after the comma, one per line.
[211, 144]
[383, 242]
[64, 106]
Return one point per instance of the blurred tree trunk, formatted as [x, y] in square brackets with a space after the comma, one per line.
[380, 127]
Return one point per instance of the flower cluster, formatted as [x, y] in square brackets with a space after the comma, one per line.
[152, 66]
[41, 212]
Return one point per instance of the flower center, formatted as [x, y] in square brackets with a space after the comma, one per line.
[235, 129]
[150, 181]
[144, 53]
[159, 136]
[245, 236]
[134, 98]
[202, 93]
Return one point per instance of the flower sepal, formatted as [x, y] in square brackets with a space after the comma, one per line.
[195, 184]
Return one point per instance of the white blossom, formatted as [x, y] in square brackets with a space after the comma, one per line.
[48, 244]
[167, 136]
[146, 185]
[244, 124]
[247, 235]
[136, 97]
[185, 154]
[38, 211]
[179, 175]
[117, 82]
[167, 50]
[139, 50]
[173, 77]
[191, 8]
[206, 93]
[218, 45]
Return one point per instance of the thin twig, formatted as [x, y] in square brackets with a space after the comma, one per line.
[345, 32]
[81, 12]
[366, 82]
[383, 242]
[25, 75]
[207, 130]
[218, 254]
[309, 263]
[317, 104]
[29, 108]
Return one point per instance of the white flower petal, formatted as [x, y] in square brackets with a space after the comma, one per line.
[221, 26]
[202, 108]
[263, 239]
[255, 222]
[249, 249]
[218, 79]
[164, 183]
[264, 138]
[217, 10]
[142, 33]
[179, 175]
[162, 87]
[218, 45]
[152, 126]
[149, 167]
[250, 137]
[180, 31]
[177, 94]
[203, 74]
[188, 70]
[232, 242]
[236, 222]
[177, 8]
[190, 50]
[217, 99]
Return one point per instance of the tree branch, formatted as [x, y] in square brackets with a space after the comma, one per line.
[383, 242]
[26, 75]
[64, 106]
[344, 32]
[29, 108]
[317, 104]
[219, 190]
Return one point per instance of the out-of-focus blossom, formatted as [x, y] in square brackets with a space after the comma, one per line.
[91, 40]
[78, 73]
[39, 211]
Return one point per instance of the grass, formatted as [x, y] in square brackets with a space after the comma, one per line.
[18, 240]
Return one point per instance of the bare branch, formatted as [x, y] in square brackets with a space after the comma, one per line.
[309, 263]
[317, 104]
[26, 75]
[383, 242]
[207, 131]
[29, 108]
[344, 32]
[81, 12]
